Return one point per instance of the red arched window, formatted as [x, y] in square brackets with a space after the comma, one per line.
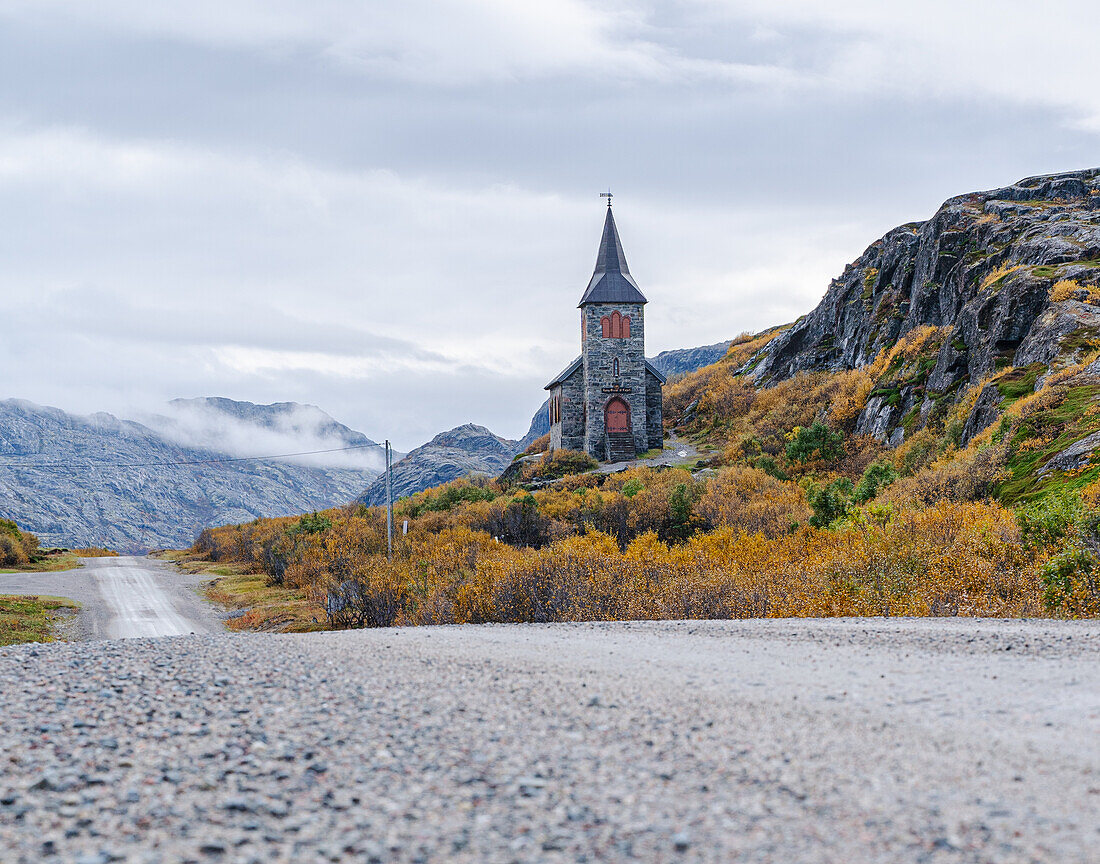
[617, 326]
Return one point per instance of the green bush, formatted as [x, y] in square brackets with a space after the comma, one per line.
[448, 497]
[680, 504]
[1070, 584]
[1053, 520]
[830, 503]
[1061, 522]
[876, 477]
[815, 442]
[311, 523]
[769, 466]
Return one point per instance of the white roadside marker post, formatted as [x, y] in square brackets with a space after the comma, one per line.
[389, 501]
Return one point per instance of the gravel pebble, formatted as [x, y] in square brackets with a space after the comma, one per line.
[764, 741]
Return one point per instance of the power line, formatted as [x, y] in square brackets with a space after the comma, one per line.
[181, 462]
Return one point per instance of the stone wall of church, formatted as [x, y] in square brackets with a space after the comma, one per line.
[555, 425]
[601, 384]
[654, 406]
[569, 433]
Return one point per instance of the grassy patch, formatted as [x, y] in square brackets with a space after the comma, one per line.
[189, 562]
[265, 607]
[32, 618]
[1081, 339]
[1041, 436]
[1017, 383]
[50, 563]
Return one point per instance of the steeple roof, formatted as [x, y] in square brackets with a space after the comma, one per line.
[611, 281]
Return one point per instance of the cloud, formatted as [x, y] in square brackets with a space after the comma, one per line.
[389, 209]
[1018, 51]
[1022, 52]
[264, 431]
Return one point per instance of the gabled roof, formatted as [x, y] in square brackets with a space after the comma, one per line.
[649, 367]
[611, 281]
[565, 374]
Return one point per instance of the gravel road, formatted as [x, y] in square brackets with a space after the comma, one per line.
[124, 598]
[763, 741]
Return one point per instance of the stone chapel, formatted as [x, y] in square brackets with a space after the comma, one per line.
[607, 402]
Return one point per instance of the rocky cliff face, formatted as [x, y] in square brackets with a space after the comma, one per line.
[467, 449]
[1005, 273]
[540, 425]
[102, 481]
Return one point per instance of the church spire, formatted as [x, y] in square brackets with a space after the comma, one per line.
[611, 281]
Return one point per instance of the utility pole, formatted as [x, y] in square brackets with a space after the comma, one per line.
[389, 501]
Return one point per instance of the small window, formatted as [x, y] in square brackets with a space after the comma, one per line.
[616, 373]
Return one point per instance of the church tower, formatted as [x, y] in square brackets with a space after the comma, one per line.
[608, 401]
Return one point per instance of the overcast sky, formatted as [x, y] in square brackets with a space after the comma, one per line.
[390, 209]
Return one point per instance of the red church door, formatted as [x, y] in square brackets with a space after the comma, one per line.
[618, 416]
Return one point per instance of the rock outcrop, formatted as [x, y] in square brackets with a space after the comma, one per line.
[468, 449]
[102, 481]
[540, 425]
[985, 268]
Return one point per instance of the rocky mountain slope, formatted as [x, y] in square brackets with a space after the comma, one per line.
[1008, 276]
[467, 449]
[681, 360]
[99, 480]
[540, 425]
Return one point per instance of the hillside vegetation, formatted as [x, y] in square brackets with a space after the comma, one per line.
[16, 548]
[919, 444]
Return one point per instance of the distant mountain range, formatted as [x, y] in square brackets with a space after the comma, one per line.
[682, 360]
[468, 449]
[103, 481]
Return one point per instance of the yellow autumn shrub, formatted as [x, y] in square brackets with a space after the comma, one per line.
[1069, 289]
[752, 501]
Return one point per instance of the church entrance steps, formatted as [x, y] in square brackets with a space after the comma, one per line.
[620, 447]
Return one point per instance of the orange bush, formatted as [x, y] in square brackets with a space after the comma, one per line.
[949, 558]
[752, 501]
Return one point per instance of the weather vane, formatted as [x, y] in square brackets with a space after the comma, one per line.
[607, 195]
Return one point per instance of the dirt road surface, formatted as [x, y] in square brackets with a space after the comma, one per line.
[939, 740]
[124, 598]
